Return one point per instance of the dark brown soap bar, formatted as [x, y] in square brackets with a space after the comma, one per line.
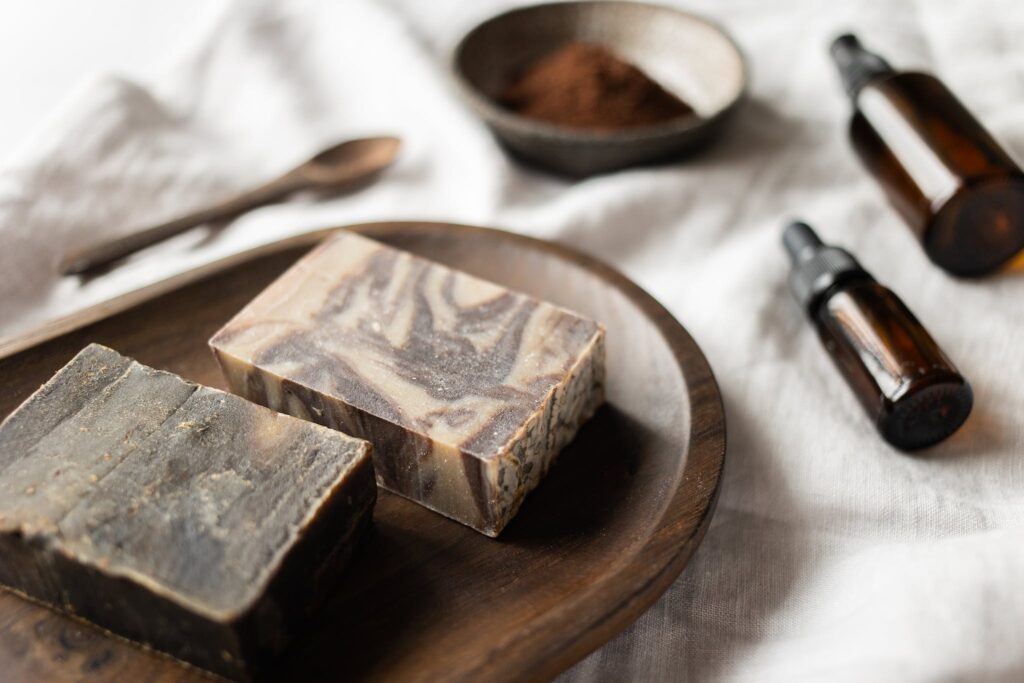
[175, 514]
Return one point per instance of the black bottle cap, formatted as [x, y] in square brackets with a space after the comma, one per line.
[817, 267]
[857, 66]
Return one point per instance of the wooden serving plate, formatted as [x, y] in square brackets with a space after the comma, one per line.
[427, 599]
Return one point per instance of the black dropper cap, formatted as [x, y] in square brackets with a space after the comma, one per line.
[857, 66]
[817, 267]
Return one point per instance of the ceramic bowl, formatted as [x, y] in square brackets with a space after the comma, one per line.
[688, 55]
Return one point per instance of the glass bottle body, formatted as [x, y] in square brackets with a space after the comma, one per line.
[905, 382]
[956, 187]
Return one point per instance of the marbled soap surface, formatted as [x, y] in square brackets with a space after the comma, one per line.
[442, 371]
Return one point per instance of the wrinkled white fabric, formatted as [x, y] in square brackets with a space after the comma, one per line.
[831, 557]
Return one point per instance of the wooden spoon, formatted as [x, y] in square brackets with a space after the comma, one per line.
[342, 165]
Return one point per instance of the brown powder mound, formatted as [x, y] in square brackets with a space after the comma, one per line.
[586, 86]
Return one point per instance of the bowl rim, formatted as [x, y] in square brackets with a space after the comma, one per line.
[524, 125]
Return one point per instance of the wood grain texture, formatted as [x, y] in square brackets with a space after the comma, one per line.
[427, 599]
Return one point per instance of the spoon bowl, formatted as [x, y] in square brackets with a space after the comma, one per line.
[346, 160]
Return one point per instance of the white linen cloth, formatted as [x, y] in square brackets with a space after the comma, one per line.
[832, 556]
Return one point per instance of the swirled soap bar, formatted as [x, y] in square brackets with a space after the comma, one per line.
[467, 390]
[176, 514]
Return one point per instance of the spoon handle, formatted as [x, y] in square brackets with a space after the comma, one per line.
[104, 253]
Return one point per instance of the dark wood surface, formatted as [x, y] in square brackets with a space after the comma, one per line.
[427, 599]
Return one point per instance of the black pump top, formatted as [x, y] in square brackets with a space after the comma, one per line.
[817, 267]
[857, 66]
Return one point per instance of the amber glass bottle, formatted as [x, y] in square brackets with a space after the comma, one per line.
[905, 382]
[960, 191]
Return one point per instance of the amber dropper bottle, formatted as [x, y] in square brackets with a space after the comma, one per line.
[961, 193]
[900, 375]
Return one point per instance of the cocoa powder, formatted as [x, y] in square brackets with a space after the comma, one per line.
[583, 85]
